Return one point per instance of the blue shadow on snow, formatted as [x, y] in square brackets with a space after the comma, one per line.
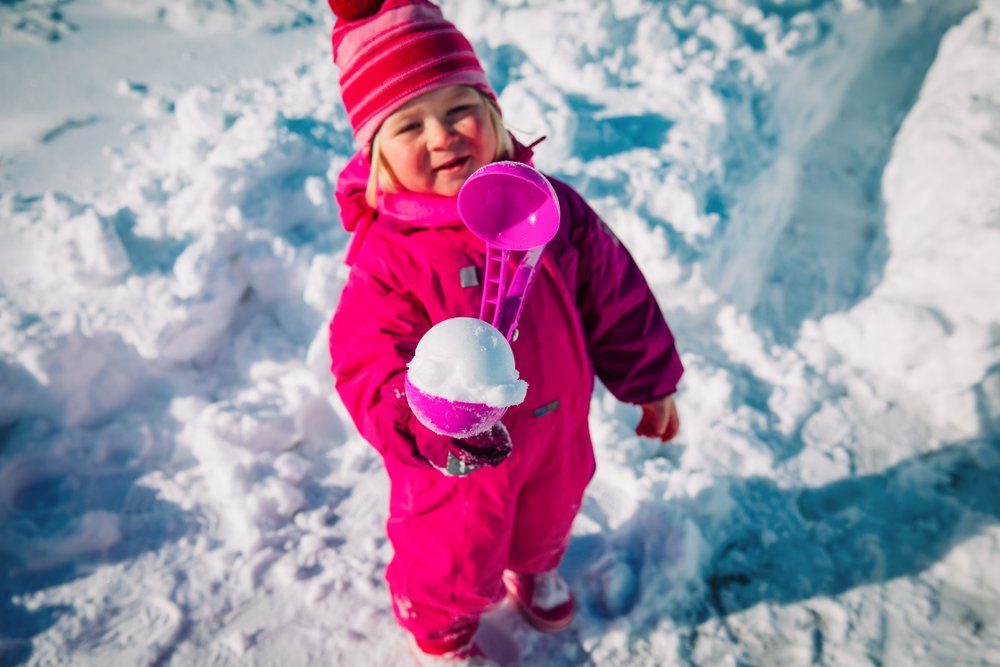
[782, 546]
[59, 501]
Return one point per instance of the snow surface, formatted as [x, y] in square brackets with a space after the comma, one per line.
[809, 186]
[467, 359]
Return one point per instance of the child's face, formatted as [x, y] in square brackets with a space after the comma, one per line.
[434, 142]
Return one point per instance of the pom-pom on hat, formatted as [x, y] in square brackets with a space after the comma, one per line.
[390, 52]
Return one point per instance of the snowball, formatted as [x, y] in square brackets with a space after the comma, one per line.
[466, 359]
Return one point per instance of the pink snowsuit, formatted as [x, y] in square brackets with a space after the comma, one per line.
[589, 310]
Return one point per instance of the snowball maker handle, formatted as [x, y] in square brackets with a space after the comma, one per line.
[513, 208]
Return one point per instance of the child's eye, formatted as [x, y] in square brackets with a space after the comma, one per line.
[407, 127]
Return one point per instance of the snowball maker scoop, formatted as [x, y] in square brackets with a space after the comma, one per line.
[514, 209]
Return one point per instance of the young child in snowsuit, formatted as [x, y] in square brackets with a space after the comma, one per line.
[426, 118]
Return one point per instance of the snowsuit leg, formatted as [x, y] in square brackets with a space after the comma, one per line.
[451, 537]
[454, 536]
[541, 540]
[549, 500]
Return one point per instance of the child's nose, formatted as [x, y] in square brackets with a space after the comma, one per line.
[439, 133]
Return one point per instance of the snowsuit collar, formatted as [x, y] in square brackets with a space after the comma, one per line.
[405, 210]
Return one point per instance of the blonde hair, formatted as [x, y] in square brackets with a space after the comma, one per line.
[382, 178]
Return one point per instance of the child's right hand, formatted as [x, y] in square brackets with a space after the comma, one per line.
[659, 419]
[466, 455]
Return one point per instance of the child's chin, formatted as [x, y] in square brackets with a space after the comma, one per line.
[450, 187]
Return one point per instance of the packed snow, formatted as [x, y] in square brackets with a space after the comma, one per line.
[467, 359]
[810, 187]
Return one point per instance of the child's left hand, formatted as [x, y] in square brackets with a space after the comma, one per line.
[659, 419]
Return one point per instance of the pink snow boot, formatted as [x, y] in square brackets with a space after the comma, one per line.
[469, 655]
[544, 600]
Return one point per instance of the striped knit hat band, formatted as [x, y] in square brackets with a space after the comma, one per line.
[391, 56]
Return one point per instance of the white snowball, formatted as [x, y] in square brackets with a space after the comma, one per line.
[466, 359]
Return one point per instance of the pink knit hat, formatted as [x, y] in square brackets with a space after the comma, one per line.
[390, 52]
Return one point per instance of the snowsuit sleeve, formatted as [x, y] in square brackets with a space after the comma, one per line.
[373, 335]
[627, 337]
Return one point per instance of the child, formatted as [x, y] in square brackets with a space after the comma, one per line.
[426, 118]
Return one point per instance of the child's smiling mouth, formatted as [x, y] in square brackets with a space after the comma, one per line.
[452, 165]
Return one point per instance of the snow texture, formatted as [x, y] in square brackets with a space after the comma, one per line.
[809, 186]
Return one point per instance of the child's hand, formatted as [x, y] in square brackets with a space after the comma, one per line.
[467, 455]
[659, 419]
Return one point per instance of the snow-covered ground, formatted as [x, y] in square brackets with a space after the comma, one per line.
[809, 185]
